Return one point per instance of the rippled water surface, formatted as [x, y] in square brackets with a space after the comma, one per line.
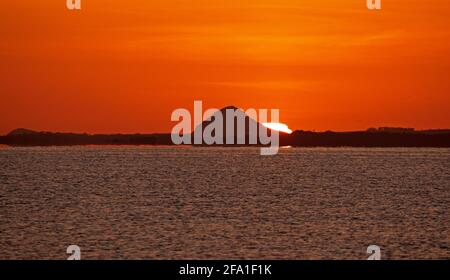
[209, 203]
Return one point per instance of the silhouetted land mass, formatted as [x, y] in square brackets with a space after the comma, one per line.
[236, 138]
[381, 138]
[25, 137]
[371, 138]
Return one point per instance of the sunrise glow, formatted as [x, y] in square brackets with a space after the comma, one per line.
[125, 66]
[281, 127]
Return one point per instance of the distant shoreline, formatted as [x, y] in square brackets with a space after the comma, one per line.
[385, 137]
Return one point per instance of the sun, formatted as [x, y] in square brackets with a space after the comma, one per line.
[281, 127]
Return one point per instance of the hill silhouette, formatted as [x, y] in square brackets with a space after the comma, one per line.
[21, 131]
[251, 129]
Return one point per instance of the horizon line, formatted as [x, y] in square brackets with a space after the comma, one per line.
[370, 129]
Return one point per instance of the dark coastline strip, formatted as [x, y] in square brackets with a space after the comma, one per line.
[438, 139]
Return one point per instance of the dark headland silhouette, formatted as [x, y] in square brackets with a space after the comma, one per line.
[373, 137]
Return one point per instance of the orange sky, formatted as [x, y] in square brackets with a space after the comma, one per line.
[124, 66]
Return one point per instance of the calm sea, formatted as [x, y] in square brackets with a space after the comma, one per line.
[221, 203]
